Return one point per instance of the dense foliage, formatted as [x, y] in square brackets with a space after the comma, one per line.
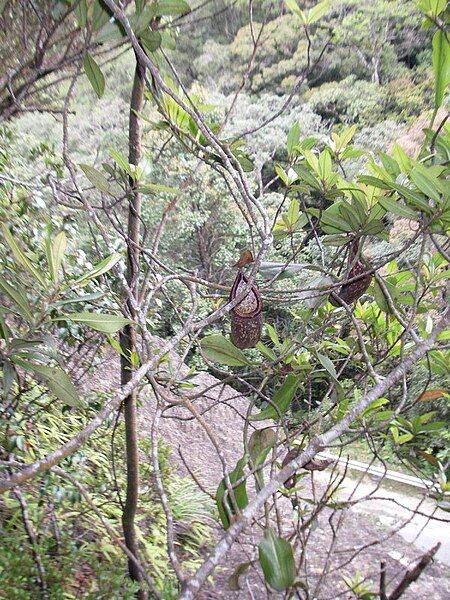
[310, 137]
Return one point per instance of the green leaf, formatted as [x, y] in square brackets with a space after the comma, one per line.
[244, 161]
[432, 7]
[324, 164]
[346, 136]
[396, 208]
[412, 196]
[100, 268]
[154, 188]
[259, 445]
[374, 182]
[172, 7]
[121, 162]
[401, 157]
[327, 365]
[277, 561]
[84, 298]
[80, 12]
[282, 398]
[293, 137]
[270, 269]
[19, 298]
[151, 40]
[293, 213]
[57, 251]
[105, 323]
[293, 6]
[441, 65]
[380, 298]
[282, 174]
[374, 227]
[57, 381]
[304, 175]
[100, 15]
[424, 183]
[332, 222]
[142, 19]
[219, 349]
[20, 256]
[9, 377]
[318, 11]
[225, 504]
[94, 74]
[374, 406]
[97, 179]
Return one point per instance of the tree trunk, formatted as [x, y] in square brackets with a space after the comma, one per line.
[376, 69]
[128, 335]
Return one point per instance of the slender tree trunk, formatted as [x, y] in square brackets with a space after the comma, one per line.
[32, 538]
[376, 69]
[128, 336]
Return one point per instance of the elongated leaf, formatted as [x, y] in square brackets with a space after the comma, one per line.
[432, 395]
[121, 161]
[19, 298]
[270, 269]
[225, 504]
[412, 196]
[97, 179]
[277, 561]
[57, 250]
[293, 213]
[20, 256]
[105, 323]
[154, 188]
[172, 7]
[332, 222]
[304, 175]
[374, 181]
[141, 20]
[328, 365]
[293, 137]
[281, 399]
[80, 12]
[217, 348]
[84, 298]
[94, 74]
[259, 445]
[380, 298]
[294, 7]
[441, 65]
[425, 184]
[100, 268]
[9, 377]
[318, 11]
[100, 15]
[397, 208]
[57, 381]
